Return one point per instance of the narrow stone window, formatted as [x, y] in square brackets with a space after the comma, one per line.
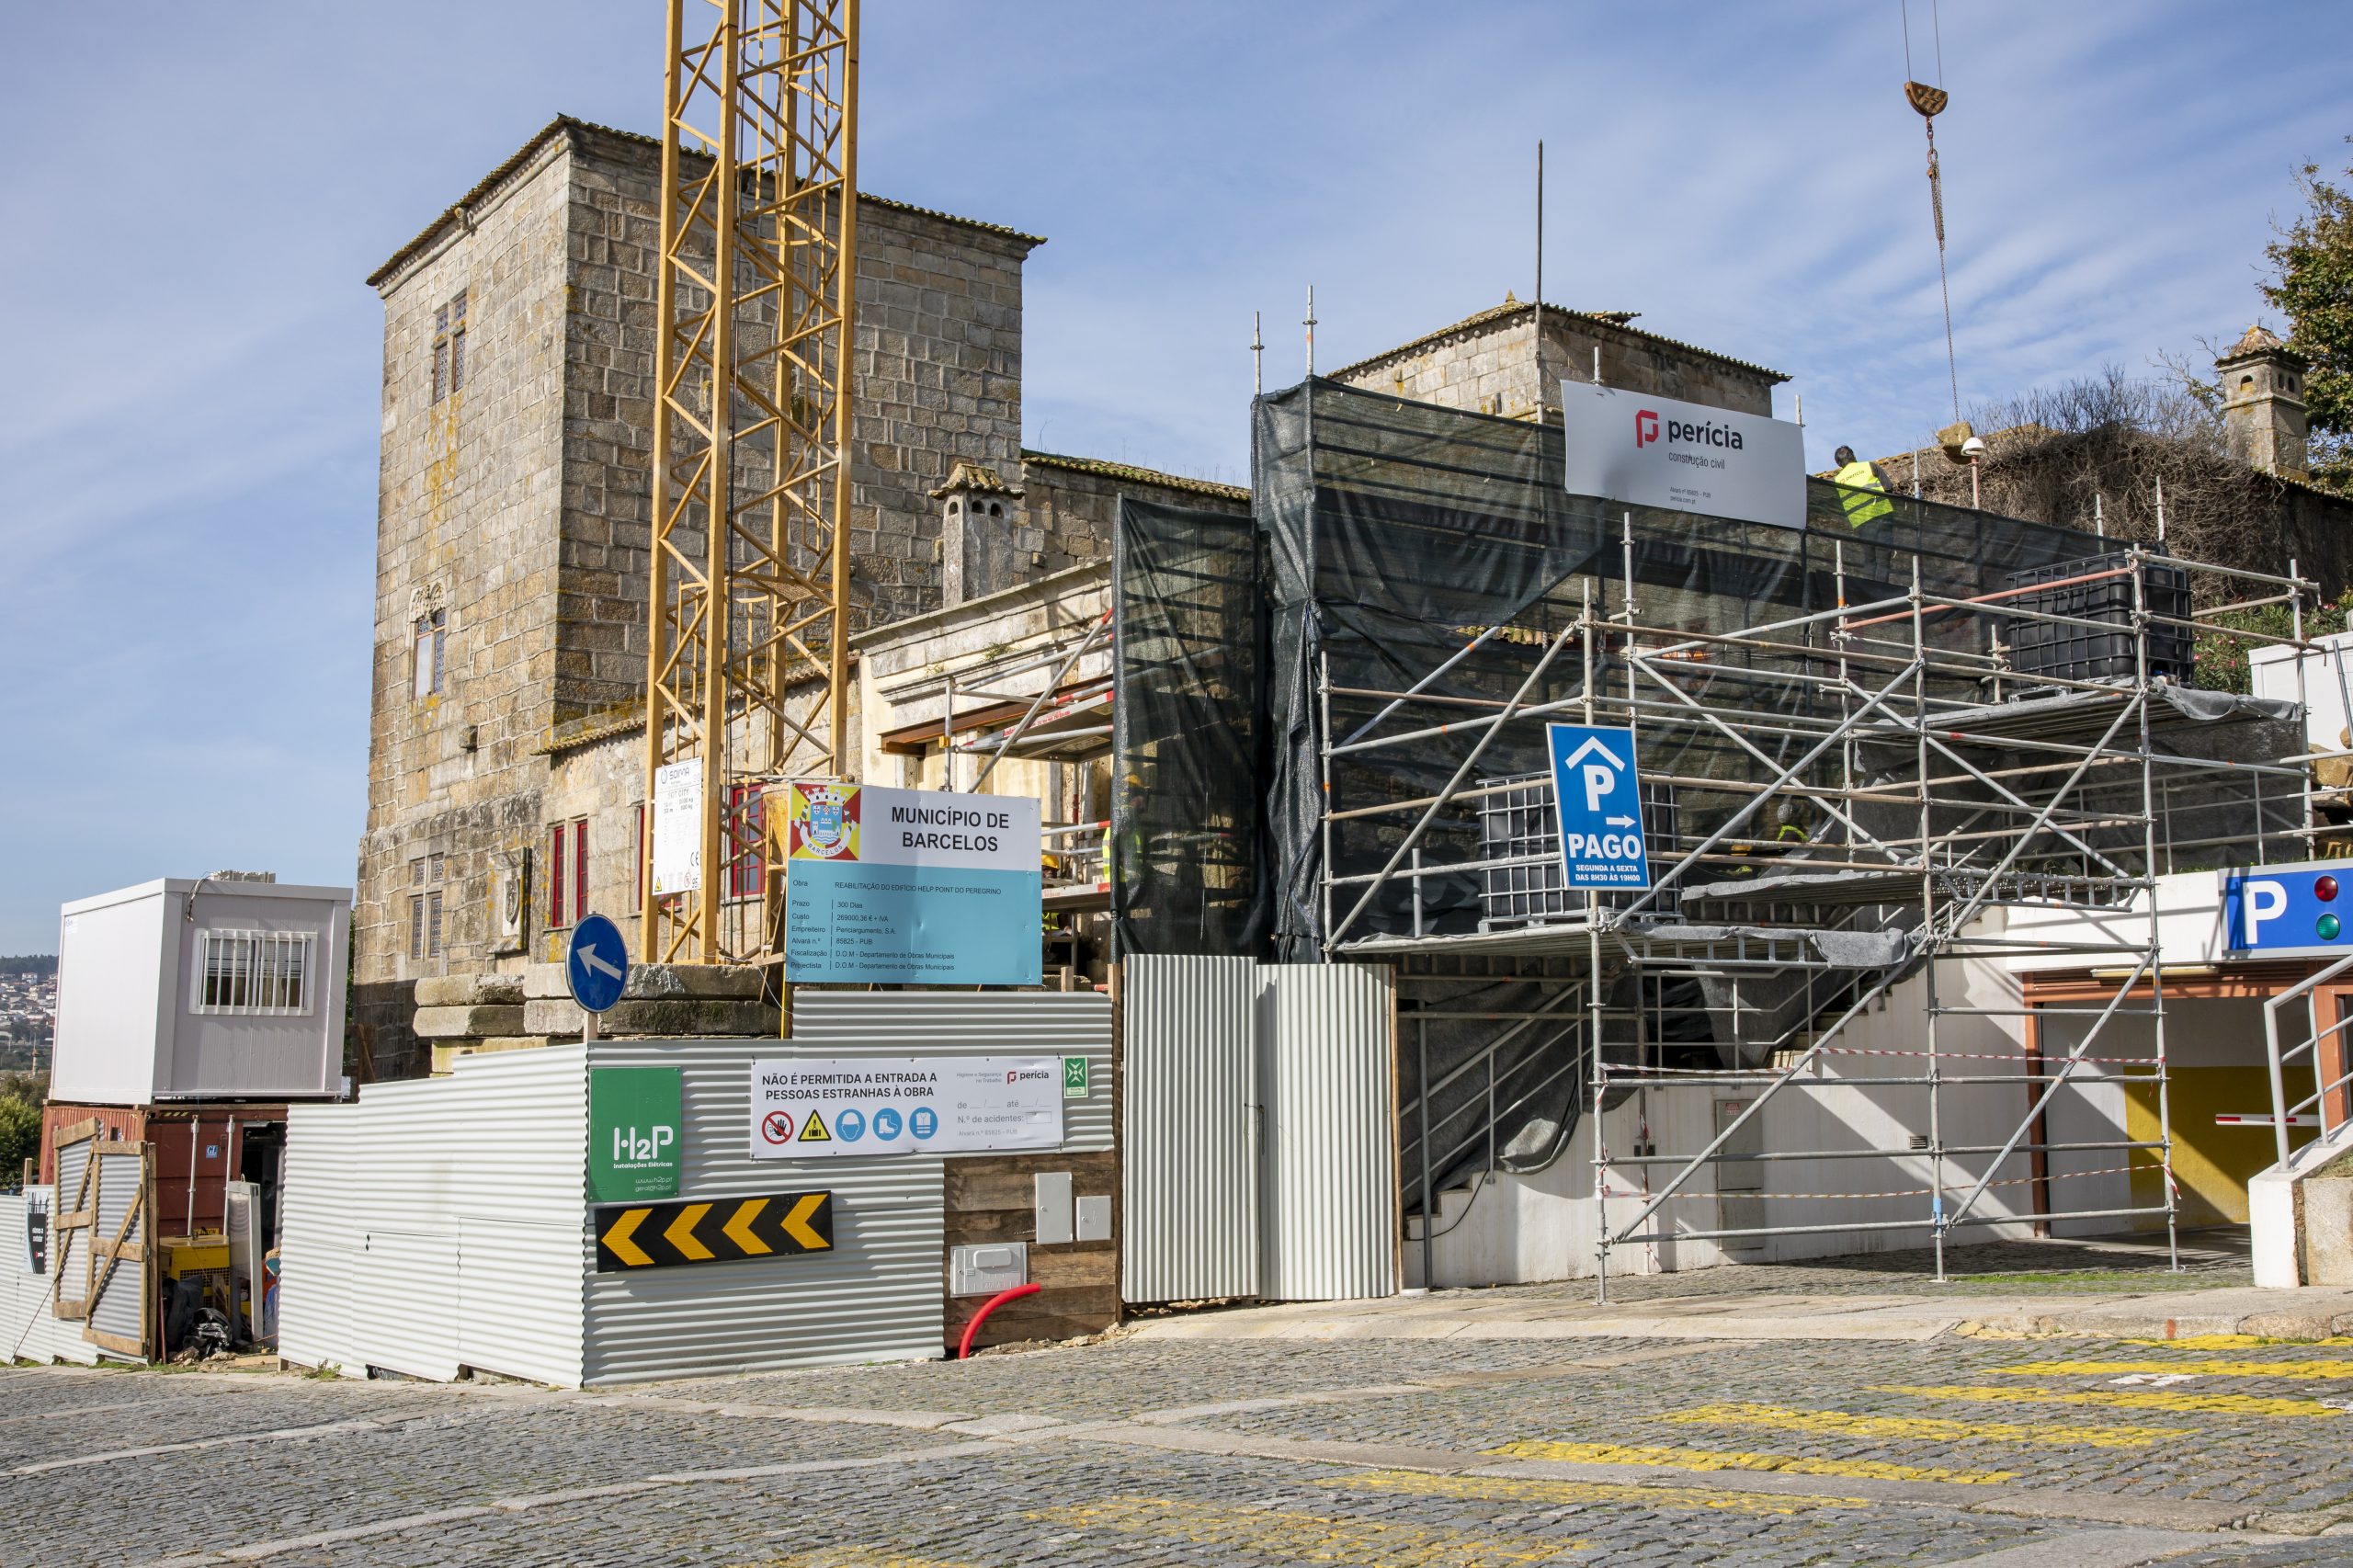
[450, 347]
[430, 651]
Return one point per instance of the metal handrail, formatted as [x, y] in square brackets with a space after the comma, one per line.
[2277, 1059]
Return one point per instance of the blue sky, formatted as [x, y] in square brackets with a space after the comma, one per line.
[187, 429]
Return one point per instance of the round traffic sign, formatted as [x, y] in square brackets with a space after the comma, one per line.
[597, 963]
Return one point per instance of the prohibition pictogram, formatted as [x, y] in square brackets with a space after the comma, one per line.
[776, 1126]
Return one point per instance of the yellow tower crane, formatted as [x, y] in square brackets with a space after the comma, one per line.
[747, 655]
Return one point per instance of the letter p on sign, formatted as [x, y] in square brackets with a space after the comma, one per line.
[2265, 901]
[1600, 779]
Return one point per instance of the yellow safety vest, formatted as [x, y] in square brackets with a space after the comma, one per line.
[1863, 499]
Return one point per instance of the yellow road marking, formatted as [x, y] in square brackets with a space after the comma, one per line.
[1923, 1429]
[2153, 1399]
[1718, 1459]
[2206, 1369]
[1522, 1489]
[681, 1233]
[618, 1238]
[739, 1229]
[796, 1223]
[2229, 1341]
[1290, 1537]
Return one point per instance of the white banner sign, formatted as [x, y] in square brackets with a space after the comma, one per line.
[814, 1105]
[677, 828]
[1683, 456]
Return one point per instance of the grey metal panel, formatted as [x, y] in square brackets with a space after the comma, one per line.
[1189, 1163]
[120, 1307]
[318, 1233]
[1330, 1225]
[28, 1332]
[972, 1023]
[404, 1284]
[875, 1296]
[65, 1340]
[487, 1165]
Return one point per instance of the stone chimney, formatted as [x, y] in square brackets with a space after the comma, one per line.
[2262, 404]
[979, 513]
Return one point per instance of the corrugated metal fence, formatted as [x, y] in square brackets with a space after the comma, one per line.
[28, 1330]
[1259, 1131]
[1330, 1224]
[442, 1223]
[874, 1297]
[1189, 1166]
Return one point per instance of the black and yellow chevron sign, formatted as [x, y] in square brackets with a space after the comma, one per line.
[719, 1229]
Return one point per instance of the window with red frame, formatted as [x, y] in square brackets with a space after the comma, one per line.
[746, 841]
[567, 873]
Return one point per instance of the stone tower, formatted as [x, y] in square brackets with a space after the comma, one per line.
[2262, 403]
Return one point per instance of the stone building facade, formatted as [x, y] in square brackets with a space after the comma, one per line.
[505, 762]
[1492, 363]
[2264, 419]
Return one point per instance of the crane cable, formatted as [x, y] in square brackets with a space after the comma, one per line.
[1930, 102]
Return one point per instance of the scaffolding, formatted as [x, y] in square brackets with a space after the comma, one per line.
[1936, 807]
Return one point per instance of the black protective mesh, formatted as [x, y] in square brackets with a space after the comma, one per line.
[1187, 848]
[1394, 532]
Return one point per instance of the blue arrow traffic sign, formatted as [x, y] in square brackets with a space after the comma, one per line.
[1601, 807]
[596, 962]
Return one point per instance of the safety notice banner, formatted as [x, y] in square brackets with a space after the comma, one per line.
[1682, 457]
[911, 886]
[813, 1106]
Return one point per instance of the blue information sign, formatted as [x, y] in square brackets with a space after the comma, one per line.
[1601, 807]
[2288, 909]
[596, 962]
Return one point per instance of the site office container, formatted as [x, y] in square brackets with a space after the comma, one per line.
[182, 989]
[195, 1153]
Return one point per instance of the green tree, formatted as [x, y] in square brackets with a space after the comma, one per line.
[19, 1134]
[2312, 285]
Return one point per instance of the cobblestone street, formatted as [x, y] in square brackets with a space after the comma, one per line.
[1464, 1453]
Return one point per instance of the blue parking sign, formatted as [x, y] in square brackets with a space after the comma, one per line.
[1601, 807]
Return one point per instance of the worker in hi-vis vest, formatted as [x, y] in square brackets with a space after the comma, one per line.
[1860, 481]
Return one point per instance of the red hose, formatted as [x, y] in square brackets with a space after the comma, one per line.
[965, 1350]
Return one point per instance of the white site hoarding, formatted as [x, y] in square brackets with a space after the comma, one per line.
[677, 828]
[812, 1107]
[1682, 457]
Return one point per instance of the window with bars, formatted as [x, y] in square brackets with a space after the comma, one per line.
[430, 653]
[450, 347]
[567, 873]
[252, 972]
[424, 925]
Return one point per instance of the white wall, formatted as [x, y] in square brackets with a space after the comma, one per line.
[110, 1011]
[2328, 675]
[2190, 927]
[1543, 1225]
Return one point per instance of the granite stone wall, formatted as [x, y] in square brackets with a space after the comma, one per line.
[519, 507]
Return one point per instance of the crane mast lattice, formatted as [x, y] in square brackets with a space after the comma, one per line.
[747, 646]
